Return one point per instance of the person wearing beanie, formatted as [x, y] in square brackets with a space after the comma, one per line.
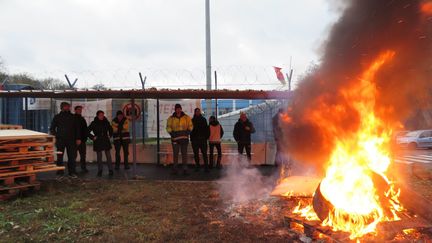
[216, 134]
[199, 137]
[121, 136]
[100, 132]
[65, 127]
[179, 125]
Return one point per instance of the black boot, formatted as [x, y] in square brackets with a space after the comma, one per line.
[111, 173]
[127, 166]
[218, 164]
[99, 174]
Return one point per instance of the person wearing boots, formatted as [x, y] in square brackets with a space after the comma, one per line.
[67, 132]
[100, 132]
[81, 149]
[179, 126]
[216, 133]
[121, 136]
[242, 134]
[199, 137]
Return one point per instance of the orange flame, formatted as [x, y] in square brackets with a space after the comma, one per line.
[356, 158]
[426, 8]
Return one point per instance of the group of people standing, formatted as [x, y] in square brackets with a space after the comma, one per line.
[71, 132]
[203, 136]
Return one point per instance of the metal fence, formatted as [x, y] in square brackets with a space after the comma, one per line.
[151, 142]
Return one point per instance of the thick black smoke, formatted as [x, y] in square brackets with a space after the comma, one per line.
[365, 29]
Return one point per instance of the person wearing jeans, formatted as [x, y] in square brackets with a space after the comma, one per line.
[179, 126]
[100, 132]
[121, 138]
[216, 133]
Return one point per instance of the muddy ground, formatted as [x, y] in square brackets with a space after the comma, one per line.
[101, 210]
[121, 211]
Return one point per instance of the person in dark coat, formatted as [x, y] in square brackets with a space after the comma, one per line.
[100, 131]
[121, 137]
[242, 134]
[278, 136]
[82, 148]
[216, 133]
[199, 137]
[67, 132]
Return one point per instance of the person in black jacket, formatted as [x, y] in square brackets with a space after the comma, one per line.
[64, 127]
[121, 136]
[199, 137]
[100, 132]
[81, 149]
[242, 134]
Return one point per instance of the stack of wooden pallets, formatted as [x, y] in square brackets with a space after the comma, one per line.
[23, 153]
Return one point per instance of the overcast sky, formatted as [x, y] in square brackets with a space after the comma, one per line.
[109, 41]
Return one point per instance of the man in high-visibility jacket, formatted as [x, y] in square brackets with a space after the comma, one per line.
[179, 126]
[121, 136]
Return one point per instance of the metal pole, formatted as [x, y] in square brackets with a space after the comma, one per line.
[25, 113]
[208, 54]
[157, 132]
[216, 100]
[143, 80]
[133, 137]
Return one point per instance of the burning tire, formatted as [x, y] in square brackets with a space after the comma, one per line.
[323, 207]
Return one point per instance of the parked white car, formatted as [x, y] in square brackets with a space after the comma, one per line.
[416, 139]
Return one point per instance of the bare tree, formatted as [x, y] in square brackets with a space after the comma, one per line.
[99, 86]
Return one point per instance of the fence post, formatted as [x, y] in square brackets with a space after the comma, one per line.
[157, 132]
[25, 113]
[133, 136]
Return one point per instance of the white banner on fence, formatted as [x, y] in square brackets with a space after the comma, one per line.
[166, 109]
[37, 104]
[90, 108]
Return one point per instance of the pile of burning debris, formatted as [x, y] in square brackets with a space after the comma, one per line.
[342, 118]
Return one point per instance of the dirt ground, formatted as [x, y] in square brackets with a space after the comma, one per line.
[146, 211]
[100, 210]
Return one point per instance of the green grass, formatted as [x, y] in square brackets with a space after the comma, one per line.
[122, 211]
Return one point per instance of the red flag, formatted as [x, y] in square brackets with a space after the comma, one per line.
[279, 75]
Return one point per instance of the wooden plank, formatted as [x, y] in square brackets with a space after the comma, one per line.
[13, 179]
[21, 134]
[48, 157]
[17, 173]
[8, 126]
[21, 154]
[20, 186]
[29, 145]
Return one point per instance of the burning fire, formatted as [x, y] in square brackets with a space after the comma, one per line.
[359, 201]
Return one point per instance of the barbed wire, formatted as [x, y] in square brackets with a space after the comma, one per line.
[228, 77]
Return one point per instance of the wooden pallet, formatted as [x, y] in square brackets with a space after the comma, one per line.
[8, 192]
[17, 179]
[26, 147]
[8, 127]
[23, 154]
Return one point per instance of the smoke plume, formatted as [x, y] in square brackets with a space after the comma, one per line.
[365, 29]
